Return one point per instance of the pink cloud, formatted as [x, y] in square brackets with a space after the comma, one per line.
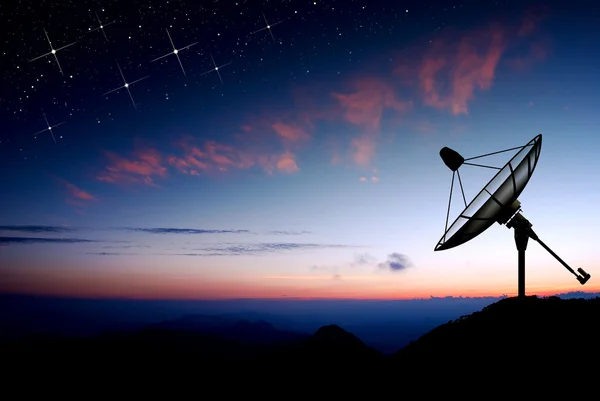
[287, 163]
[468, 64]
[75, 196]
[142, 168]
[215, 157]
[78, 193]
[364, 106]
[457, 65]
[290, 132]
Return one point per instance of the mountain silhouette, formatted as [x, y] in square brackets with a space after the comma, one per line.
[527, 341]
[540, 344]
[243, 331]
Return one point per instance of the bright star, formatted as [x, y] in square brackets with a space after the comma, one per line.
[175, 52]
[53, 51]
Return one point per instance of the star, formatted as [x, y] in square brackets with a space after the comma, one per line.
[101, 26]
[175, 52]
[268, 27]
[126, 85]
[49, 128]
[216, 68]
[53, 51]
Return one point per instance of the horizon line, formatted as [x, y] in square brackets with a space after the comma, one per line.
[285, 298]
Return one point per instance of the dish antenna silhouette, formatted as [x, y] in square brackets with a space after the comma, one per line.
[497, 202]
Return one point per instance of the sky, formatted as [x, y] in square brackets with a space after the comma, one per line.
[290, 149]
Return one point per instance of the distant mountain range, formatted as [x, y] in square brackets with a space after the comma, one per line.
[533, 343]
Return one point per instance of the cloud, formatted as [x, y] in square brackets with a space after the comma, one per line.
[29, 240]
[363, 259]
[364, 106]
[37, 229]
[125, 246]
[365, 103]
[244, 249]
[75, 196]
[109, 253]
[333, 270]
[467, 64]
[79, 194]
[291, 132]
[457, 65]
[532, 19]
[287, 163]
[396, 262]
[183, 231]
[283, 232]
[78, 197]
[215, 157]
[142, 168]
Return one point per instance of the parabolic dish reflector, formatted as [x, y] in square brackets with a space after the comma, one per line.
[500, 192]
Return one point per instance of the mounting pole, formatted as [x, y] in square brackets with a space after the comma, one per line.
[522, 228]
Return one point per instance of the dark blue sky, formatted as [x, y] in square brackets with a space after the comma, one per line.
[312, 169]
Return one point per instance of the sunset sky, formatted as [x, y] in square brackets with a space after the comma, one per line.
[312, 170]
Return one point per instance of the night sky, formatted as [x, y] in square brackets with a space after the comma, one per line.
[307, 164]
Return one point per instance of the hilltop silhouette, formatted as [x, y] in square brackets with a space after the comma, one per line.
[538, 344]
[513, 342]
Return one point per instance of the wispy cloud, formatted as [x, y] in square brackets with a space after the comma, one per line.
[152, 230]
[76, 196]
[78, 193]
[333, 270]
[125, 246]
[210, 156]
[396, 262]
[284, 232]
[142, 168]
[455, 66]
[37, 229]
[363, 259]
[258, 248]
[213, 157]
[183, 231]
[109, 253]
[291, 132]
[31, 240]
[364, 107]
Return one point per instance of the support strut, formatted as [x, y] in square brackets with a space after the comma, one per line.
[523, 232]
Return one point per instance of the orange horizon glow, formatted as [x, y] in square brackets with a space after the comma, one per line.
[236, 291]
[182, 284]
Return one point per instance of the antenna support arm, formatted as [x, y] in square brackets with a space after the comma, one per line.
[583, 278]
[523, 226]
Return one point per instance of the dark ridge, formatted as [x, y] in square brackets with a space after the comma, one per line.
[537, 344]
[547, 337]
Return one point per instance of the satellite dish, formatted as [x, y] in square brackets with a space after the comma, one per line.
[497, 202]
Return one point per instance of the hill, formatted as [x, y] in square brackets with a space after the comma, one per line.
[519, 342]
[513, 343]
